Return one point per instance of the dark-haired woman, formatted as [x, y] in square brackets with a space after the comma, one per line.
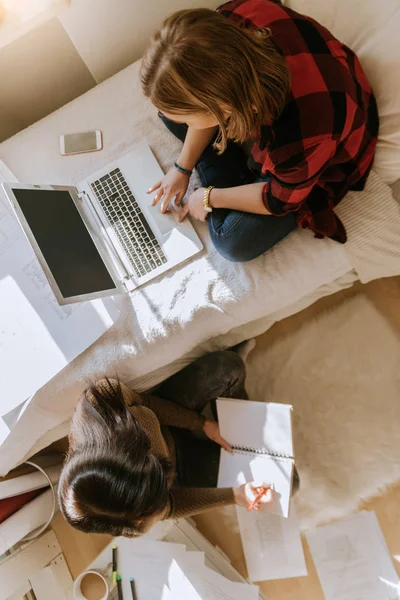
[133, 458]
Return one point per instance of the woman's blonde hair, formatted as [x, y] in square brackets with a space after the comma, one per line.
[201, 62]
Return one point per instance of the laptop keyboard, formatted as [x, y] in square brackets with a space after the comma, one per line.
[129, 223]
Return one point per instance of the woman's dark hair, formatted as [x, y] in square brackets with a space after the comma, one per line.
[111, 481]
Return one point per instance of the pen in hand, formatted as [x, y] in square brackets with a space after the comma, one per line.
[255, 501]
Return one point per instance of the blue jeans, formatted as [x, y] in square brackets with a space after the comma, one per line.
[238, 236]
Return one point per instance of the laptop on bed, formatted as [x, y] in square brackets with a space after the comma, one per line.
[103, 237]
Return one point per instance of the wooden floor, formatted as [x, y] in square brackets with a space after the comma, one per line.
[80, 549]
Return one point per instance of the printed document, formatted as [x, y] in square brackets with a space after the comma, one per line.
[353, 561]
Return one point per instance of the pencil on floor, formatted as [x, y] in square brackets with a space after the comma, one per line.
[119, 587]
[133, 589]
[114, 564]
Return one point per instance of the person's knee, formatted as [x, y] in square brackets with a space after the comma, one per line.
[241, 237]
[234, 251]
[232, 365]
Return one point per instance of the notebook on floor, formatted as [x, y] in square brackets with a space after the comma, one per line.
[260, 434]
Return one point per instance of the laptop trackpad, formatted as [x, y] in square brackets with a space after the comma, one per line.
[165, 222]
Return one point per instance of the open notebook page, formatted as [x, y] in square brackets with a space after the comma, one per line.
[259, 425]
[240, 467]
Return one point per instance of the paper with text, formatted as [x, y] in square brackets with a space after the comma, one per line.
[272, 546]
[353, 561]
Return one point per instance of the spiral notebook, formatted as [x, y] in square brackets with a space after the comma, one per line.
[260, 434]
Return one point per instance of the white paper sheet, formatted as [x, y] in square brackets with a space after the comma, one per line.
[166, 571]
[186, 583]
[272, 545]
[239, 467]
[257, 425]
[197, 559]
[38, 338]
[353, 561]
[143, 547]
[149, 563]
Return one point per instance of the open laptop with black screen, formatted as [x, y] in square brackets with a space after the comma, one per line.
[102, 237]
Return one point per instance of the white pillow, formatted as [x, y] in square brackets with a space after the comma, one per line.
[372, 29]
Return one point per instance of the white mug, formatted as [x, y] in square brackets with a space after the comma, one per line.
[78, 595]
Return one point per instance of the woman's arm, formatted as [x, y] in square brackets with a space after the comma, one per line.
[285, 191]
[175, 183]
[287, 188]
[185, 501]
[195, 143]
[167, 412]
[173, 414]
[247, 198]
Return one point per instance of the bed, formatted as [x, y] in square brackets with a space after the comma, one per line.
[207, 303]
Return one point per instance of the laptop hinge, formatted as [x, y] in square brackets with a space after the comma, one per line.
[123, 273]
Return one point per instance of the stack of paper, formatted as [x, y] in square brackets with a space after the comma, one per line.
[353, 560]
[168, 571]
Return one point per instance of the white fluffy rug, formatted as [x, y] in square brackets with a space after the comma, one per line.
[341, 372]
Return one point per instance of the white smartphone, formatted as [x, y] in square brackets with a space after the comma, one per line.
[78, 143]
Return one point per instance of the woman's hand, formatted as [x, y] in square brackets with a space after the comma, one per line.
[194, 206]
[174, 183]
[246, 494]
[211, 429]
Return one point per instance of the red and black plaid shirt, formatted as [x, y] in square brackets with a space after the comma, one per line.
[323, 142]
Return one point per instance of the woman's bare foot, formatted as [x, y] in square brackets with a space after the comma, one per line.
[245, 348]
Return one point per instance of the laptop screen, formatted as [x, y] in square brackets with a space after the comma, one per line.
[64, 241]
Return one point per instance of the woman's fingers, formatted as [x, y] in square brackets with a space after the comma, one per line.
[183, 213]
[154, 188]
[267, 497]
[179, 198]
[259, 493]
[166, 201]
[224, 444]
[158, 196]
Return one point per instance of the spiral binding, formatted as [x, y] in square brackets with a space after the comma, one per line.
[260, 451]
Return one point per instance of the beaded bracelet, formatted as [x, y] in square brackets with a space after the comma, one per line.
[182, 170]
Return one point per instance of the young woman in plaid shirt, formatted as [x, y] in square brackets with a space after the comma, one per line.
[256, 71]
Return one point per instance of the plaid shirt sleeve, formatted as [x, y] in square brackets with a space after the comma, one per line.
[295, 175]
[323, 142]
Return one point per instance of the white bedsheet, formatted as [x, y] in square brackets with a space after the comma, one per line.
[169, 318]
